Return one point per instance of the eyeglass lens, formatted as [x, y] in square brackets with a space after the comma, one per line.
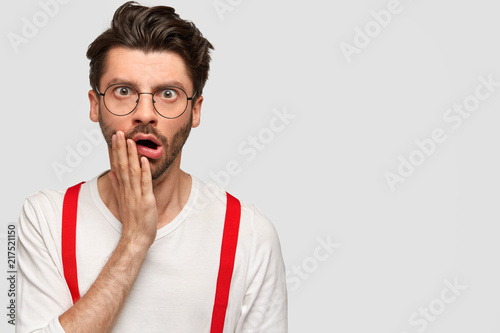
[169, 102]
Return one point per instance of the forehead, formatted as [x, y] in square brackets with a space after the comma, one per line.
[145, 70]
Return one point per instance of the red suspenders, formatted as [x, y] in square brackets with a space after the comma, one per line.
[68, 241]
[227, 255]
[226, 265]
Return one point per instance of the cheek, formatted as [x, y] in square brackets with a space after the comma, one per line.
[110, 124]
[170, 126]
[182, 123]
[113, 123]
[106, 130]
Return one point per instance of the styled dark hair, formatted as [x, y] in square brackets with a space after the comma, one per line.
[152, 29]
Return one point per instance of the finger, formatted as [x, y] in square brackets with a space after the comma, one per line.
[122, 170]
[114, 158]
[134, 166]
[146, 178]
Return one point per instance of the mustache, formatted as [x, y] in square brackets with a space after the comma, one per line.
[146, 129]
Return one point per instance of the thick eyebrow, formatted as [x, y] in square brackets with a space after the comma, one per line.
[135, 84]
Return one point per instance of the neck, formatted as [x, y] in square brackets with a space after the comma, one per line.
[171, 191]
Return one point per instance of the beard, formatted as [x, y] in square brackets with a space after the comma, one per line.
[171, 148]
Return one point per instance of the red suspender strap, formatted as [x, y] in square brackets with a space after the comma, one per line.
[227, 254]
[68, 239]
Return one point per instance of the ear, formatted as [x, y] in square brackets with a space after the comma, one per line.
[197, 112]
[94, 106]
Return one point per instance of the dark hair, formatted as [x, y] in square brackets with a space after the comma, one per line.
[152, 29]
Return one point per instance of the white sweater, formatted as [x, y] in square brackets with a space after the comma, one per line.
[175, 289]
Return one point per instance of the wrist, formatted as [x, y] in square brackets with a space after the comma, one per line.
[134, 245]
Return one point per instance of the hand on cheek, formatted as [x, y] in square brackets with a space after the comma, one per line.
[132, 185]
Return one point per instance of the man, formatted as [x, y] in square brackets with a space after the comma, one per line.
[148, 241]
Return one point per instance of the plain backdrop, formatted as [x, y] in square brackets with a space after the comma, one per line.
[372, 156]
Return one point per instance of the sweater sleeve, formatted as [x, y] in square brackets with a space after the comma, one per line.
[42, 291]
[265, 301]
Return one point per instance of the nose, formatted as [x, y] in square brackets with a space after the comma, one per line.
[145, 112]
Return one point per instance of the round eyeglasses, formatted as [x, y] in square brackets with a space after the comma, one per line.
[169, 102]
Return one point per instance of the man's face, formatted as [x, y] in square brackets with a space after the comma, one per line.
[147, 72]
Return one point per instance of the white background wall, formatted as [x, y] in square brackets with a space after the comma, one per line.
[363, 82]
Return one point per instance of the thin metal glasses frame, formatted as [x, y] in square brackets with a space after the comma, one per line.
[145, 93]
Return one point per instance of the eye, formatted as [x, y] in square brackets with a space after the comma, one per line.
[123, 91]
[168, 94]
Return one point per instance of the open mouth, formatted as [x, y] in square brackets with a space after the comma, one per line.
[148, 146]
[147, 143]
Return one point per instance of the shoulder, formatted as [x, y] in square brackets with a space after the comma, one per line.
[41, 208]
[259, 227]
[49, 201]
[258, 221]
[256, 230]
[259, 243]
[252, 218]
[44, 201]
